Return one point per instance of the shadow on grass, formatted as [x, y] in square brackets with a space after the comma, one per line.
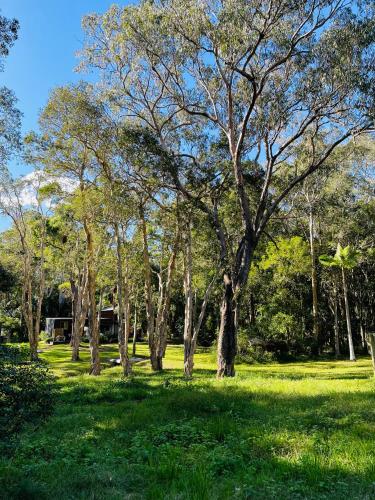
[158, 436]
[318, 376]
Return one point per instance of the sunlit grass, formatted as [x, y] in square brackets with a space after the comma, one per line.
[291, 430]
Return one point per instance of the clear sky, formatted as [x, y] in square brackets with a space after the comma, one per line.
[44, 54]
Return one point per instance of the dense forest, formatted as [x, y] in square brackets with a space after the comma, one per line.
[210, 184]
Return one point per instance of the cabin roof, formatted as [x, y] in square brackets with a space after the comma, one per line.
[58, 317]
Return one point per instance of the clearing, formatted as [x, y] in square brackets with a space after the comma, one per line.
[292, 430]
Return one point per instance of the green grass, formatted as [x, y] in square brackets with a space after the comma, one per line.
[294, 430]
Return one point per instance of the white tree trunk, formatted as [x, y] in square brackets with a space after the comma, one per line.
[348, 321]
[122, 315]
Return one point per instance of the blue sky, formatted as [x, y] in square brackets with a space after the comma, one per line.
[44, 54]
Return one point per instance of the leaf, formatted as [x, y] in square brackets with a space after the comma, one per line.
[328, 260]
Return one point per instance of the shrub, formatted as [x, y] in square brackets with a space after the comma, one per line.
[14, 354]
[283, 326]
[10, 326]
[44, 336]
[250, 351]
[26, 389]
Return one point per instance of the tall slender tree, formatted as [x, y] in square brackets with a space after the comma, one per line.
[344, 258]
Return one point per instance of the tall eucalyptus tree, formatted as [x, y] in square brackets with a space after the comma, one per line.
[63, 149]
[256, 78]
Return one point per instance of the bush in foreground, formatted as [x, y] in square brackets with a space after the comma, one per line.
[26, 390]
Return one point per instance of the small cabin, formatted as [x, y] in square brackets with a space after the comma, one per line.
[59, 329]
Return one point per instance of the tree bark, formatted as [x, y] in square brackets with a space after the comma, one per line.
[27, 304]
[93, 317]
[362, 334]
[347, 313]
[371, 338]
[122, 318]
[148, 288]
[74, 290]
[100, 306]
[336, 323]
[314, 282]
[157, 327]
[32, 320]
[41, 290]
[80, 310]
[227, 342]
[251, 309]
[189, 348]
[127, 324]
[160, 335]
[135, 331]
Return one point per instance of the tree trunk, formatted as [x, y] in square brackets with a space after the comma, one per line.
[347, 313]
[234, 282]
[189, 348]
[227, 345]
[314, 282]
[160, 334]
[27, 304]
[121, 312]
[302, 312]
[127, 324]
[362, 334]
[74, 290]
[148, 290]
[371, 338]
[100, 307]
[362, 330]
[336, 324]
[157, 328]
[41, 289]
[93, 317]
[80, 310]
[251, 309]
[197, 326]
[135, 331]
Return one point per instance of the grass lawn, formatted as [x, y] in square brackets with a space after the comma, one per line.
[295, 430]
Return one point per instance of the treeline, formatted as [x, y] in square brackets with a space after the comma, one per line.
[203, 184]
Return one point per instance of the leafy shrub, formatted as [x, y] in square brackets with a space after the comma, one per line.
[26, 389]
[14, 354]
[107, 337]
[45, 336]
[249, 352]
[283, 326]
[10, 326]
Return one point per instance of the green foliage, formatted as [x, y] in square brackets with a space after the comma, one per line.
[8, 35]
[345, 258]
[14, 354]
[9, 324]
[280, 282]
[7, 279]
[26, 390]
[287, 257]
[249, 352]
[283, 325]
